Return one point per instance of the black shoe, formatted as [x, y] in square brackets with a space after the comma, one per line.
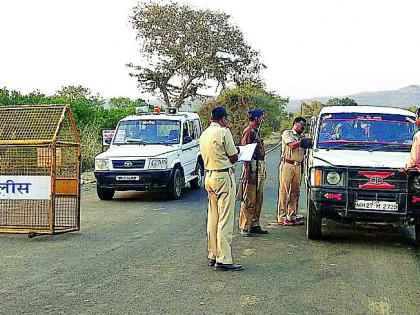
[245, 233]
[228, 267]
[258, 230]
[212, 262]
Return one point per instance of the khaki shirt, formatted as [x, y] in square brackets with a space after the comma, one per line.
[415, 152]
[290, 136]
[216, 145]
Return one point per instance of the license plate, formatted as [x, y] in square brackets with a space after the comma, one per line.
[128, 177]
[376, 205]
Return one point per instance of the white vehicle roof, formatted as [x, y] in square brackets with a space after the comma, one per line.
[177, 116]
[366, 110]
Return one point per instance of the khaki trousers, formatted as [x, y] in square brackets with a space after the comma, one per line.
[221, 189]
[253, 196]
[289, 191]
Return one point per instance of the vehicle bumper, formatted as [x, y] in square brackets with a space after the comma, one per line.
[340, 204]
[148, 180]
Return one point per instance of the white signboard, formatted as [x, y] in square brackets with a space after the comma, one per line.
[25, 187]
[107, 134]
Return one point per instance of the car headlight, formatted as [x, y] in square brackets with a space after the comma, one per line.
[158, 164]
[101, 165]
[333, 178]
[416, 182]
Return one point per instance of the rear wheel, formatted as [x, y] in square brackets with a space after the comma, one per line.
[197, 183]
[417, 233]
[176, 184]
[104, 193]
[314, 224]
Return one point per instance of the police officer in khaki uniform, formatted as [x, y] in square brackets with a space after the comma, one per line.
[253, 178]
[293, 149]
[219, 154]
[414, 162]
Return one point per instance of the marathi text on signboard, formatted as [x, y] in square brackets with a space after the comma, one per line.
[25, 187]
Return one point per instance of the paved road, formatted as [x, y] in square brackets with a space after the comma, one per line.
[141, 254]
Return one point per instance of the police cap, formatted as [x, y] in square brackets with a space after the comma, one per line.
[300, 120]
[254, 113]
[218, 113]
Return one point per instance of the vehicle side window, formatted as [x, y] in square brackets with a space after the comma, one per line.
[197, 126]
[185, 132]
[193, 132]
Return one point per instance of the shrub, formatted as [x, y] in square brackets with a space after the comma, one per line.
[90, 138]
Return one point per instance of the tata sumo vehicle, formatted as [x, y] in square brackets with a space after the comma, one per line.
[353, 170]
[152, 151]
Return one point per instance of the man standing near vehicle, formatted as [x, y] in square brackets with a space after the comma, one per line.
[219, 154]
[414, 162]
[293, 148]
[253, 178]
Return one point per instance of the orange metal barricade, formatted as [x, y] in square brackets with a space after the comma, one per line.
[39, 170]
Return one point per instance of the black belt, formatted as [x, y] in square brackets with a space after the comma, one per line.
[295, 163]
[223, 170]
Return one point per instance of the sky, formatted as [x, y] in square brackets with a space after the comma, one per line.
[310, 47]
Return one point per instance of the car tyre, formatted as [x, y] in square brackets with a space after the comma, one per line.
[314, 222]
[197, 183]
[176, 184]
[417, 233]
[104, 193]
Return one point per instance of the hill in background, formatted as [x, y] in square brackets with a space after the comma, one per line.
[404, 97]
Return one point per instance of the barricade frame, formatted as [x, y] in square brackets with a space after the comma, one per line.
[49, 146]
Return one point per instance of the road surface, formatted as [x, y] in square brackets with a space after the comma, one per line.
[141, 254]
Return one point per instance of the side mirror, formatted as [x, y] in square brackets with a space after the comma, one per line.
[187, 139]
[108, 140]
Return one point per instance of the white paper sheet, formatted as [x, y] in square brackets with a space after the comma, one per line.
[246, 152]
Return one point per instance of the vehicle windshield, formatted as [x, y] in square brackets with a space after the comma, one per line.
[372, 132]
[165, 132]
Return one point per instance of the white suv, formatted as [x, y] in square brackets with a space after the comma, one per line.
[152, 152]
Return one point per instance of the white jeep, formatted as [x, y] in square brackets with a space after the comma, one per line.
[152, 152]
[352, 171]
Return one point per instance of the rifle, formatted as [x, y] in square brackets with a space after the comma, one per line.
[257, 164]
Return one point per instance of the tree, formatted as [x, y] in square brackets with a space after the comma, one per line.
[125, 101]
[239, 100]
[187, 49]
[341, 102]
[310, 109]
[76, 92]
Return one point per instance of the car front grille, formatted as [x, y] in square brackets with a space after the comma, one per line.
[128, 164]
[378, 180]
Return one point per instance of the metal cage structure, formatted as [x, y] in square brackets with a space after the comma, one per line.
[39, 170]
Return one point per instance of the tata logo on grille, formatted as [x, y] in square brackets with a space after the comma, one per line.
[376, 180]
[128, 164]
